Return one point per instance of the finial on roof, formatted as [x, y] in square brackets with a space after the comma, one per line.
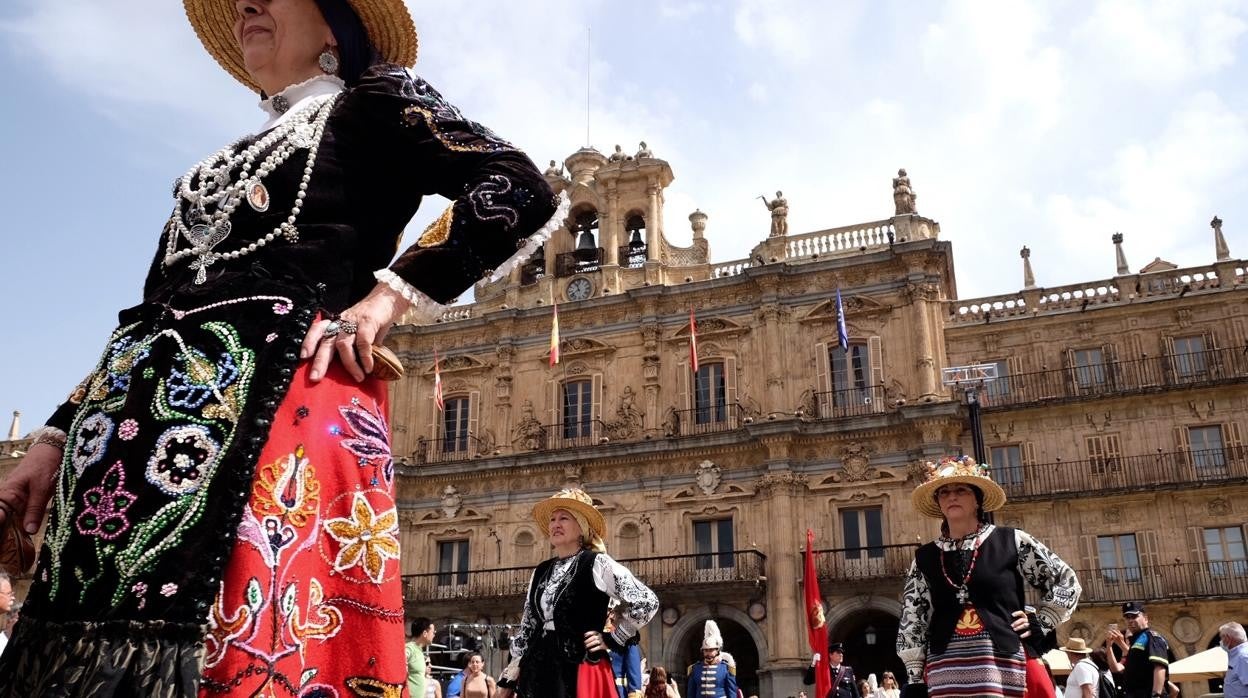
[1219, 243]
[15, 430]
[1121, 257]
[1029, 279]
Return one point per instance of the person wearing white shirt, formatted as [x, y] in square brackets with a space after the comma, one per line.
[1233, 640]
[1084, 676]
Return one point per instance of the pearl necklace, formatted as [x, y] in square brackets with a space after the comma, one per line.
[215, 187]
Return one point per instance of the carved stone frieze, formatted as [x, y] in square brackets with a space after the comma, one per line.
[781, 481]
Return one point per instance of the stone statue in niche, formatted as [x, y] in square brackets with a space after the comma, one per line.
[529, 431]
[904, 198]
[671, 423]
[628, 418]
[451, 502]
[708, 477]
[779, 208]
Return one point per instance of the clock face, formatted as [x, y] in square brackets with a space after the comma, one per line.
[579, 289]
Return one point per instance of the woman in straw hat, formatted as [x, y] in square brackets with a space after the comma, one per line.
[566, 607]
[964, 630]
[223, 516]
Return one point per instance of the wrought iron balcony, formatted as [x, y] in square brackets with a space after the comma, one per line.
[737, 567]
[578, 262]
[1148, 374]
[704, 420]
[632, 257]
[1096, 476]
[566, 434]
[1186, 580]
[864, 564]
[851, 402]
[449, 449]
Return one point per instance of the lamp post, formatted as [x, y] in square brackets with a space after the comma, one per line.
[970, 379]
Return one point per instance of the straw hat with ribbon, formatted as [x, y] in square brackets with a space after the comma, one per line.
[1076, 645]
[389, 26]
[951, 470]
[575, 501]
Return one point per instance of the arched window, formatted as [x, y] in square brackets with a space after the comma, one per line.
[630, 542]
[526, 549]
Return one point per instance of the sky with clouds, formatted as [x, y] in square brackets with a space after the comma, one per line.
[1050, 124]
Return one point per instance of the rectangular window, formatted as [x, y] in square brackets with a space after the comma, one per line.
[455, 425]
[1006, 463]
[1104, 454]
[851, 380]
[1089, 367]
[452, 562]
[712, 541]
[578, 407]
[1224, 549]
[710, 395]
[1119, 558]
[1207, 452]
[1001, 386]
[1189, 356]
[863, 533]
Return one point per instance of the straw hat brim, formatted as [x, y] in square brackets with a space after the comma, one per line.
[546, 507]
[389, 25]
[925, 501]
[1086, 650]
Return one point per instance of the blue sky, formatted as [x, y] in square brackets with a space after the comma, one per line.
[1050, 124]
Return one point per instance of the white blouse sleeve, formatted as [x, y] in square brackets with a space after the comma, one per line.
[638, 602]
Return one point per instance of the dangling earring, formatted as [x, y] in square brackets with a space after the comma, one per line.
[328, 62]
[581, 540]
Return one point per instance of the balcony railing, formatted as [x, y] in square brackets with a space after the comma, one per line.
[864, 564]
[578, 262]
[632, 257]
[1118, 378]
[703, 420]
[732, 567]
[449, 450]
[1188, 580]
[1095, 476]
[851, 402]
[568, 434]
[706, 568]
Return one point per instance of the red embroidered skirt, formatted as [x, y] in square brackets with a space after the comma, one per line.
[311, 602]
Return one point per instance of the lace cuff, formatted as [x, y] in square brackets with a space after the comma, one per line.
[914, 658]
[423, 311]
[535, 240]
[50, 436]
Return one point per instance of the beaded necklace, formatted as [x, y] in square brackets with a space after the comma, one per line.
[216, 194]
[964, 594]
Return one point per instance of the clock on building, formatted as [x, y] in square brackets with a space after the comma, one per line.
[579, 289]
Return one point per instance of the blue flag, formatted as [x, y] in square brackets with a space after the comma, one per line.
[842, 332]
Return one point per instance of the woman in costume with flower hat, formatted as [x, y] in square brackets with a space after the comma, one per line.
[222, 491]
[964, 629]
[560, 650]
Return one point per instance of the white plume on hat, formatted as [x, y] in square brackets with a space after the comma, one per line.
[711, 639]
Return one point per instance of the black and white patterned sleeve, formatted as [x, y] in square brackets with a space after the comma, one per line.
[528, 624]
[916, 616]
[1044, 570]
[638, 603]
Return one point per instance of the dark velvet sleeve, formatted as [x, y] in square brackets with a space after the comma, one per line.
[499, 198]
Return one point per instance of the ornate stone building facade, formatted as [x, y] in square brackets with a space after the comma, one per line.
[1116, 425]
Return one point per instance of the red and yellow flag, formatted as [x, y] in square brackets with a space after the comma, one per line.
[437, 382]
[693, 341]
[554, 335]
[816, 626]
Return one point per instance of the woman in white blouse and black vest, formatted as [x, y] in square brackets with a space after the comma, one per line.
[565, 609]
[964, 628]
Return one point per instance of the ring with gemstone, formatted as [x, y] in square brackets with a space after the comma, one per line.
[349, 327]
[332, 329]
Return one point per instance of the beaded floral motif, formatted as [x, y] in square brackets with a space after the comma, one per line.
[288, 489]
[370, 439]
[106, 505]
[203, 378]
[90, 440]
[127, 430]
[368, 539]
[181, 457]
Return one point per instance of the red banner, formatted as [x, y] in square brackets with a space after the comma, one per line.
[816, 627]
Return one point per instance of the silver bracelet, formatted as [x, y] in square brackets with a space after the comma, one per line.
[50, 436]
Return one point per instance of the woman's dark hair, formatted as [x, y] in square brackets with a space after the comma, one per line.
[979, 513]
[356, 52]
[468, 658]
[658, 682]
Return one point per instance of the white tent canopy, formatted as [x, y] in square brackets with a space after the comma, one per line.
[1059, 663]
[1210, 664]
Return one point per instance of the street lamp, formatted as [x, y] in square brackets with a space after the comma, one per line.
[869, 635]
[970, 379]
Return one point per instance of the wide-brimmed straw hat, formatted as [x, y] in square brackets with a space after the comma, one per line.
[575, 500]
[388, 23]
[1076, 645]
[951, 470]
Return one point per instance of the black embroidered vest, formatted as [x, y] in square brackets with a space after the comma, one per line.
[579, 607]
[996, 589]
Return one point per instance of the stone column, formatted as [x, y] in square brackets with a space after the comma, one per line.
[611, 228]
[922, 297]
[781, 488]
[653, 237]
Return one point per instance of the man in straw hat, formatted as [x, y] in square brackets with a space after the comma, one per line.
[964, 628]
[229, 523]
[1084, 676]
[712, 677]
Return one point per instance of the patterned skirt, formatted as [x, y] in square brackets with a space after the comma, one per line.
[311, 603]
[971, 666]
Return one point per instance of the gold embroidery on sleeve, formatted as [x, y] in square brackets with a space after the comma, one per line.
[438, 231]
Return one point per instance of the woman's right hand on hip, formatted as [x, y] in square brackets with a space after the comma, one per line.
[26, 491]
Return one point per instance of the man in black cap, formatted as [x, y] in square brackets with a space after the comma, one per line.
[1146, 656]
[843, 683]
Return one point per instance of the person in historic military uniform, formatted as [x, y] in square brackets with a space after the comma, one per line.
[625, 661]
[844, 684]
[713, 677]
